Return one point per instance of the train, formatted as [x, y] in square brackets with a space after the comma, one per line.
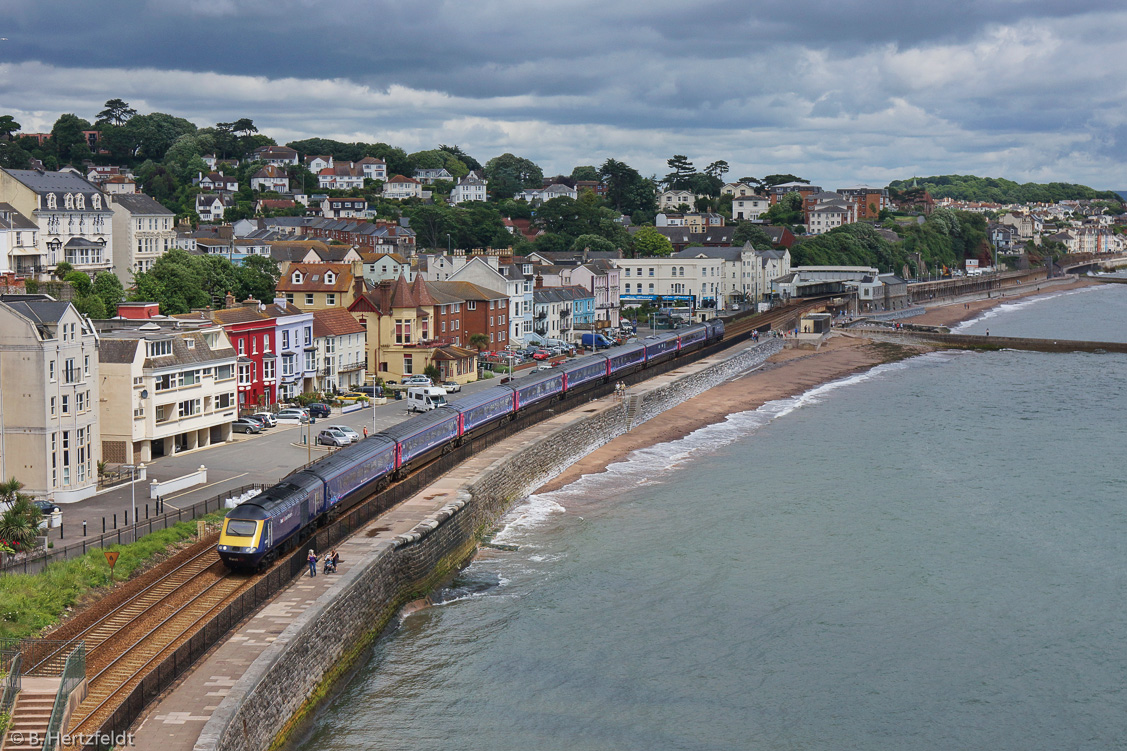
[259, 530]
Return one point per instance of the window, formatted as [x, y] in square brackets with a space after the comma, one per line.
[244, 375]
[51, 368]
[189, 408]
[330, 299]
[223, 401]
[308, 335]
[651, 271]
[310, 360]
[158, 349]
[471, 305]
[70, 373]
[52, 408]
[408, 364]
[308, 298]
[242, 346]
[289, 298]
[79, 402]
[86, 366]
[285, 340]
[268, 369]
[402, 331]
[224, 371]
[627, 271]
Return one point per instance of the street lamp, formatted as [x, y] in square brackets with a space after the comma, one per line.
[133, 495]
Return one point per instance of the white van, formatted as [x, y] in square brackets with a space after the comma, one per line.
[425, 398]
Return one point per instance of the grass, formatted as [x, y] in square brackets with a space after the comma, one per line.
[34, 602]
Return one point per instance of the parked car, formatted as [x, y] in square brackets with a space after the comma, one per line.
[542, 354]
[351, 396]
[46, 507]
[370, 391]
[332, 437]
[266, 418]
[416, 380]
[452, 387]
[295, 415]
[246, 425]
[352, 434]
[317, 409]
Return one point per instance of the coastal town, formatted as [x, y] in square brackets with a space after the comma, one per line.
[209, 305]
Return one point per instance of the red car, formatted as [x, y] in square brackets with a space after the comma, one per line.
[542, 354]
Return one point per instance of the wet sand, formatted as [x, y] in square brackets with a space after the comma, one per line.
[789, 373]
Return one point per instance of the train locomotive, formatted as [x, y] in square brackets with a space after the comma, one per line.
[261, 529]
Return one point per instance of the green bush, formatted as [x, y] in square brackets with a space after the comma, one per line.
[34, 602]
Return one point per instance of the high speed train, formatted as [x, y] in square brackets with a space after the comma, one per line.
[271, 524]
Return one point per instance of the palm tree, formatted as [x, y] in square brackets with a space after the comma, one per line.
[481, 341]
[19, 525]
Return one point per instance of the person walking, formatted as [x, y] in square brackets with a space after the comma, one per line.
[365, 431]
[312, 558]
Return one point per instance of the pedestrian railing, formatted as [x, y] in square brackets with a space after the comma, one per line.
[74, 673]
[11, 683]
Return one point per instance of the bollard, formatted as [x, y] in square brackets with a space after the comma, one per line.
[146, 512]
[126, 518]
[83, 527]
[62, 535]
[103, 525]
[115, 520]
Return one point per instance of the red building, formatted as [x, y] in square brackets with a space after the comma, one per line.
[472, 310]
[251, 331]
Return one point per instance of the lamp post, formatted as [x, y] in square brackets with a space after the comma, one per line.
[133, 496]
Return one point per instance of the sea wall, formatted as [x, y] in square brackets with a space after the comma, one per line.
[290, 678]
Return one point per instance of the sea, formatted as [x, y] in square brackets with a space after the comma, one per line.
[928, 555]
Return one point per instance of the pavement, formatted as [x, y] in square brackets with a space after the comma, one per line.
[175, 721]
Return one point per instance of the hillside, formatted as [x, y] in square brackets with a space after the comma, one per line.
[1000, 190]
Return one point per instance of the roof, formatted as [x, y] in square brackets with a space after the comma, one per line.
[15, 219]
[465, 291]
[727, 253]
[43, 182]
[313, 277]
[41, 311]
[335, 322]
[139, 203]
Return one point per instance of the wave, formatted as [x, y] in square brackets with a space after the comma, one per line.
[655, 463]
[1020, 304]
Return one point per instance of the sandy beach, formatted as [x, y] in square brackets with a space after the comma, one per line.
[791, 372]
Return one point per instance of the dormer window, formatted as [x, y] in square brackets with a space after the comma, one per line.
[80, 202]
[296, 278]
[330, 277]
[96, 201]
[68, 201]
[52, 201]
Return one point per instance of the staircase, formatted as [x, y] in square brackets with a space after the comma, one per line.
[30, 716]
[633, 406]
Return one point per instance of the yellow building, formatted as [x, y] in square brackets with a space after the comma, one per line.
[320, 286]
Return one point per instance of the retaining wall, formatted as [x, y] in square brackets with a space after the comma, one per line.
[319, 647]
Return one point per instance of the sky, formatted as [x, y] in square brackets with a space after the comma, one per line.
[841, 93]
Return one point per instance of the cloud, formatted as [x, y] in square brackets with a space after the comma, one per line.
[837, 92]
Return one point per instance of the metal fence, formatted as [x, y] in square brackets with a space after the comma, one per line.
[74, 673]
[39, 561]
[11, 683]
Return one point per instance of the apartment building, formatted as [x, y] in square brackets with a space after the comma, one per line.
[168, 386]
[143, 231]
[340, 343]
[49, 398]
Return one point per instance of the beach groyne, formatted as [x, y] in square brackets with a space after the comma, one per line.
[299, 669]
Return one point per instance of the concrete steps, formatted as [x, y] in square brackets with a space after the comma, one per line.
[30, 716]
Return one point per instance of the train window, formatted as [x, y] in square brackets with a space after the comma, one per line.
[241, 528]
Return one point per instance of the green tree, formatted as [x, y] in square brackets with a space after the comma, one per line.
[8, 126]
[585, 172]
[787, 212]
[718, 169]
[66, 133]
[627, 190]
[117, 111]
[155, 133]
[178, 281]
[593, 242]
[13, 155]
[772, 180]
[509, 174]
[461, 156]
[108, 287]
[80, 281]
[19, 524]
[91, 306]
[747, 232]
[258, 278]
[683, 169]
[649, 242]
[479, 341]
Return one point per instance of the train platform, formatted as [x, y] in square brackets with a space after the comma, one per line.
[175, 720]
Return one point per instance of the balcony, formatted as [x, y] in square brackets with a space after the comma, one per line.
[352, 366]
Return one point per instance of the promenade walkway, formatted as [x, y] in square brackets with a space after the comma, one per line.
[175, 721]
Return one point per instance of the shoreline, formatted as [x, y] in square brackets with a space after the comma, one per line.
[789, 373]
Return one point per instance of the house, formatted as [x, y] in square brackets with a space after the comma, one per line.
[737, 190]
[470, 309]
[19, 242]
[272, 178]
[143, 232]
[827, 210]
[399, 320]
[317, 286]
[279, 156]
[400, 187]
[695, 222]
[168, 386]
[74, 219]
[749, 207]
[472, 187]
[266, 205]
[695, 281]
[250, 331]
[429, 176]
[869, 201]
[547, 193]
[211, 206]
[293, 345]
[598, 187]
[557, 310]
[341, 350]
[215, 182]
[344, 208]
[378, 267]
[373, 168]
[514, 279]
[317, 163]
[671, 199]
[51, 391]
[601, 278]
[775, 192]
[119, 185]
[340, 177]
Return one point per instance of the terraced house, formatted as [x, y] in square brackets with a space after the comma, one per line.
[49, 397]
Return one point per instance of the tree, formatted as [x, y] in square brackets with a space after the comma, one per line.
[787, 212]
[509, 174]
[258, 277]
[19, 525]
[108, 288]
[91, 306]
[80, 281]
[772, 180]
[178, 281]
[155, 133]
[717, 169]
[67, 133]
[627, 190]
[433, 373]
[13, 156]
[243, 125]
[592, 242]
[461, 156]
[117, 112]
[585, 172]
[649, 242]
[480, 341]
[746, 232]
[8, 126]
[683, 169]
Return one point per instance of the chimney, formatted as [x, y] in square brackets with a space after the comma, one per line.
[229, 301]
[539, 282]
[250, 302]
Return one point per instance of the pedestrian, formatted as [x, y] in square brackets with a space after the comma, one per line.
[987, 332]
[312, 558]
[365, 431]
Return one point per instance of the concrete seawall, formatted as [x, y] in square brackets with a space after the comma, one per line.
[291, 676]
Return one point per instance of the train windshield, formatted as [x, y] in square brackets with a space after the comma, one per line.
[241, 527]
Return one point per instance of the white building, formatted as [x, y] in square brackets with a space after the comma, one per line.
[19, 241]
[341, 344]
[749, 207]
[272, 178]
[697, 281]
[400, 187]
[373, 168]
[143, 231]
[472, 187]
[166, 389]
[515, 280]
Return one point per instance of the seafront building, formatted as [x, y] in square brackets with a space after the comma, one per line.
[50, 391]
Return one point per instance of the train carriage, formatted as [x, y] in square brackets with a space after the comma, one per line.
[693, 337]
[357, 468]
[627, 359]
[584, 370]
[420, 438]
[537, 388]
[484, 410]
[256, 530]
[660, 347]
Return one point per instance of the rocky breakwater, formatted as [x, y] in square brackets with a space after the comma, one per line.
[297, 671]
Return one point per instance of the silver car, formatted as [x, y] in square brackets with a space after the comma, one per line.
[353, 436]
[331, 437]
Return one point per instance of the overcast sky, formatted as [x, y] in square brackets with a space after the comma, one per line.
[839, 92]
